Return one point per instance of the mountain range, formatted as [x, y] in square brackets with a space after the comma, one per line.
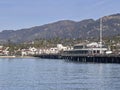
[88, 28]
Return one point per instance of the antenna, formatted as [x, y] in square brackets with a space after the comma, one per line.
[100, 35]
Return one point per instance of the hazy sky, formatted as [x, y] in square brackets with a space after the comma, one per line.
[17, 14]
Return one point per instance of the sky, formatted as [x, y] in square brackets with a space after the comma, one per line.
[18, 14]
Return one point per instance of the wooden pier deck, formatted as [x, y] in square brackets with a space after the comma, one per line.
[93, 58]
[49, 56]
[83, 58]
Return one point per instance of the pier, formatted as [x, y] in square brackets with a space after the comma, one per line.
[93, 58]
[83, 58]
[49, 56]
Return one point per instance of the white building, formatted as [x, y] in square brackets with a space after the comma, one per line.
[61, 47]
[30, 51]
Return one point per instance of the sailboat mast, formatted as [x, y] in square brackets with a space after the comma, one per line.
[100, 35]
[101, 30]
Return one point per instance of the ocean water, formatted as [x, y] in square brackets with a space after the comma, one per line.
[45, 74]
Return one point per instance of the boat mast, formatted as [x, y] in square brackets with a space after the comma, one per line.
[100, 35]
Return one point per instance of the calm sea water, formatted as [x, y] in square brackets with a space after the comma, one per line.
[44, 74]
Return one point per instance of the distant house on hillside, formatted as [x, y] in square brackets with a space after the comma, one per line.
[4, 50]
[30, 51]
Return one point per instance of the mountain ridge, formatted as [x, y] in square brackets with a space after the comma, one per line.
[88, 28]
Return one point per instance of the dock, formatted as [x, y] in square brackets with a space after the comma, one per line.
[83, 58]
[49, 56]
[93, 58]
